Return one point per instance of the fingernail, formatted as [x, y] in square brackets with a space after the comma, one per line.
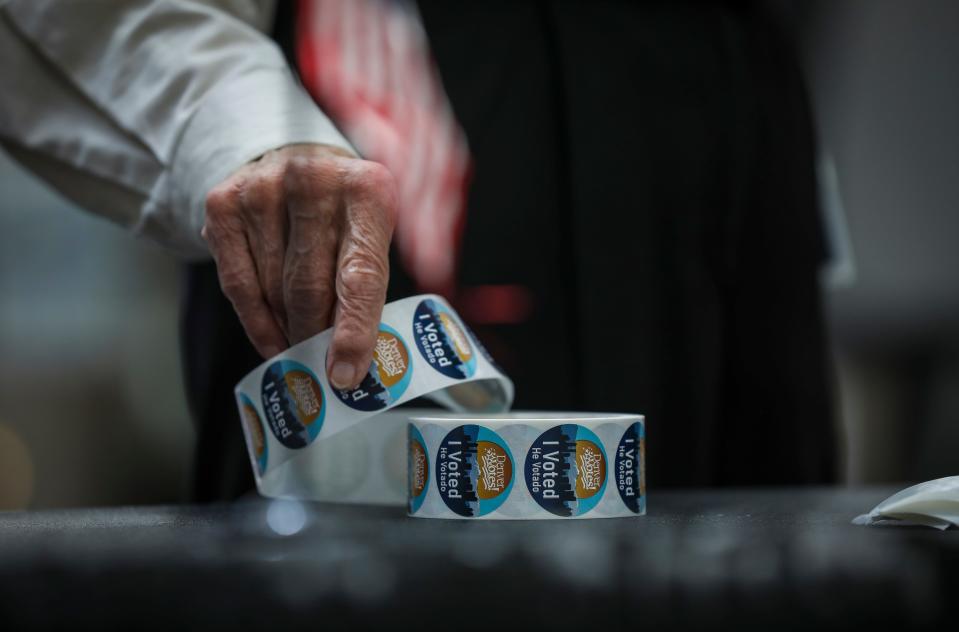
[269, 352]
[341, 375]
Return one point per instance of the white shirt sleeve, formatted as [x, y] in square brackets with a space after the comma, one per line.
[136, 109]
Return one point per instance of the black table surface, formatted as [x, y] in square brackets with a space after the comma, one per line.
[759, 559]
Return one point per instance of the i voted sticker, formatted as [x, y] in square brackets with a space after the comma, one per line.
[388, 377]
[566, 470]
[441, 340]
[474, 470]
[418, 468]
[627, 467]
[293, 403]
[254, 426]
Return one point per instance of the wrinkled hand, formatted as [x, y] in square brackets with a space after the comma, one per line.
[301, 240]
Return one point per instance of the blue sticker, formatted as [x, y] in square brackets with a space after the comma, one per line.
[442, 341]
[293, 403]
[566, 470]
[254, 425]
[389, 374]
[418, 469]
[627, 467]
[474, 470]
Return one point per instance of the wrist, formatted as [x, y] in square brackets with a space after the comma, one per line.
[238, 122]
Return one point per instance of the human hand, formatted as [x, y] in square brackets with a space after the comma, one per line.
[301, 241]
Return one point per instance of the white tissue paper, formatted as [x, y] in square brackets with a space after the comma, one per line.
[932, 504]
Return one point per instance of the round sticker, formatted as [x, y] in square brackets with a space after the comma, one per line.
[293, 403]
[254, 426]
[419, 469]
[442, 341]
[388, 377]
[566, 470]
[626, 467]
[474, 470]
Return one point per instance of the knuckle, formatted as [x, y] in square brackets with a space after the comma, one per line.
[361, 282]
[296, 167]
[370, 176]
[376, 183]
[380, 177]
[296, 171]
[265, 178]
[239, 288]
[261, 200]
[219, 200]
[222, 202]
[303, 172]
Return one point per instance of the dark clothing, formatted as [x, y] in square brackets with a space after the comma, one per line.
[646, 171]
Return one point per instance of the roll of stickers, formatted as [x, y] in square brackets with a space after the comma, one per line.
[308, 440]
[527, 466]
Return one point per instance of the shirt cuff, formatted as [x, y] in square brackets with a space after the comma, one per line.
[237, 122]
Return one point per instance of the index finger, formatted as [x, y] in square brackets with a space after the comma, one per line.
[362, 276]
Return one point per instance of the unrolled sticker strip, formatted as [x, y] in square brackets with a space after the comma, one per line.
[291, 414]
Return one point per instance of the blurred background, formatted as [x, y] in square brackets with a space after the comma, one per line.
[91, 403]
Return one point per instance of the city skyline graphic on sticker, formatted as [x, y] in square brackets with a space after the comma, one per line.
[474, 470]
[293, 403]
[566, 470]
[389, 374]
[442, 341]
